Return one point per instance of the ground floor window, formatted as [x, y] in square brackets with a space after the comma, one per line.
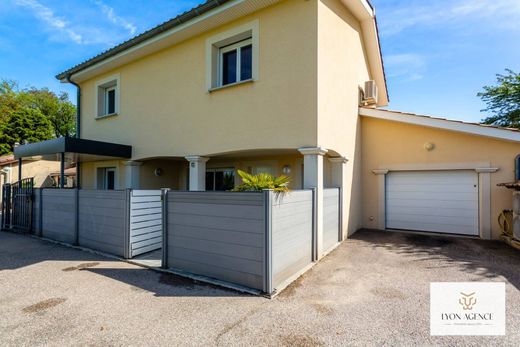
[220, 179]
[106, 178]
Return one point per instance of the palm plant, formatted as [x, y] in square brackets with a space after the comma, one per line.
[262, 181]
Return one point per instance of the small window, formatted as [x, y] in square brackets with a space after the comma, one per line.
[236, 62]
[106, 178]
[110, 100]
[220, 179]
[232, 56]
[107, 97]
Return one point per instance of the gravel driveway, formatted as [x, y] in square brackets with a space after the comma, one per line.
[371, 291]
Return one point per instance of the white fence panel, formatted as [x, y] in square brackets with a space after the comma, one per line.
[330, 218]
[145, 221]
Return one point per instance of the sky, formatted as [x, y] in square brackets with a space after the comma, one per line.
[438, 54]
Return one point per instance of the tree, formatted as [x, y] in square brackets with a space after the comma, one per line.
[34, 103]
[24, 125]
[503, 100]
[57, 108]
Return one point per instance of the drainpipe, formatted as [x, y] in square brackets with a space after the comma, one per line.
[78, 126]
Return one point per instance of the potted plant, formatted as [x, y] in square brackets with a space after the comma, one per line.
[262, 181]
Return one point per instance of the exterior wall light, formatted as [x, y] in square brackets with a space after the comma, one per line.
[429, 146]
[158, 172]
[286, 170]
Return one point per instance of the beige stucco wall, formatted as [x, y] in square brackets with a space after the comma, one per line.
[175, 170]
[342, 70]
[311, 65]
[166, 109]
[388, 143]
[38, 169]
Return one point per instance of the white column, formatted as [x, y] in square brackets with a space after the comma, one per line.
[132, 174]
[337, 180]
[313, 178]
[197, 172]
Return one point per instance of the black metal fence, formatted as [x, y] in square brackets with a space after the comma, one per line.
[17, 200]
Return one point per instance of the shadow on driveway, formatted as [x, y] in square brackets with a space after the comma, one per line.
[489, 259]
[68, 265]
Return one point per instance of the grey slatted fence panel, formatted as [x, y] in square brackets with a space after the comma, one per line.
[145, 221]
[59, 214]
[330, 218]
[218, 234]
[102, 220]
[291, 234]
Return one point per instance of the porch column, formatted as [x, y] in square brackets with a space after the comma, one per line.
[132, 174]
[337, 179]
[197, 172]
[313, 178]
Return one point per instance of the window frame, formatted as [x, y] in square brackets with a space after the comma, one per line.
[223, 170]
[101, 174]
[223, 40]
[102, 88]
[229, 48]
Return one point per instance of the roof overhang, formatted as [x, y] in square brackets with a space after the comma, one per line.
[444, 124]
[365, 13]
[75, 146]
[181, 28]
[211, 15]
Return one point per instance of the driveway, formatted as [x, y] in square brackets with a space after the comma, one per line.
[373, 290]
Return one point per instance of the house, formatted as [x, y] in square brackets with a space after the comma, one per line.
[279, 86]
[38, 168]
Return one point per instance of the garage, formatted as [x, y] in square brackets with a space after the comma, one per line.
[434, 201]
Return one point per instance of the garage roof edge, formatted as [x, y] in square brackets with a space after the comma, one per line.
[508, 134]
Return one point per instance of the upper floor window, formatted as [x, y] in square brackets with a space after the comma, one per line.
[236, 62]
[107, 101]
[232, 56]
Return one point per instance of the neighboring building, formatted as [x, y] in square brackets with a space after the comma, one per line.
[275, 86]
[37, 168]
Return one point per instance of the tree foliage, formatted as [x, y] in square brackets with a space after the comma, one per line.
[32, 115]
[254, 183]
[503, 100]
[24, 125]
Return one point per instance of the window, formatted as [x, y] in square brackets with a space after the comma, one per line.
[236, 62]
[106, 178]
[110, 100]
[108, 97]
[220, 179]
[232, 56]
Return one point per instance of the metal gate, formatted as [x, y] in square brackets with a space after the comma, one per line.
[17, 199]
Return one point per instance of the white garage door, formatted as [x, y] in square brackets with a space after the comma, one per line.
[438, 201]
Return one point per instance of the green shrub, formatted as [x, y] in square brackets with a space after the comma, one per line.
[256, 183]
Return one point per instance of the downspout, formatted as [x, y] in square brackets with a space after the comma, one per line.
[78, 127]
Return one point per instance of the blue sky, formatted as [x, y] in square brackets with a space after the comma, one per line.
[438, 53]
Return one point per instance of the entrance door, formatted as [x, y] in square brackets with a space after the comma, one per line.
[437, 201]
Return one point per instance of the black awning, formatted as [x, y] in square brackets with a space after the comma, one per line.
[73, 145]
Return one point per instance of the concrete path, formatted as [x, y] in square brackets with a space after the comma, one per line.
[371, 291]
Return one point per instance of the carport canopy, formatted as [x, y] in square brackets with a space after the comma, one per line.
[83, 149]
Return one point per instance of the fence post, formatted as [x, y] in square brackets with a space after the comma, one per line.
[128, 205]
[340, 217]
[164, 211]
[40, 217]
[268, 256]
[76, 221]
[314, 225]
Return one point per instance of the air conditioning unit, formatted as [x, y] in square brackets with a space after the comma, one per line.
[370, 93]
